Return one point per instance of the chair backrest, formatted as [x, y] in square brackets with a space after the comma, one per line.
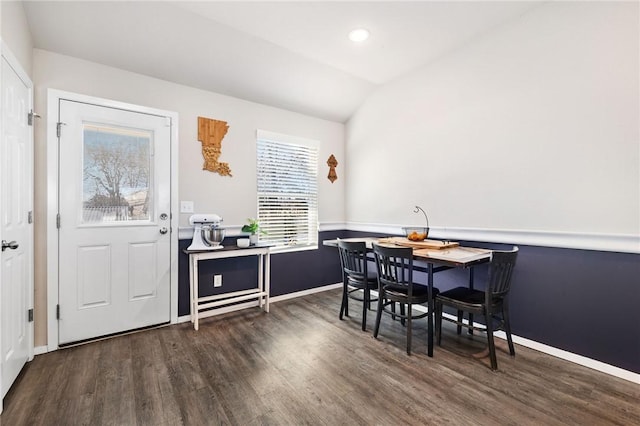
[501, 272]
[353, 259]
[394, 266]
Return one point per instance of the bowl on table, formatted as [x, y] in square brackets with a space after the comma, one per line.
[212, 235]
[415, 233]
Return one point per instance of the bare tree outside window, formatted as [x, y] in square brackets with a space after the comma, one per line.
[117, 173]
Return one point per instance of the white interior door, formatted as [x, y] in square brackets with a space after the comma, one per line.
[16, 230]
[114, 207]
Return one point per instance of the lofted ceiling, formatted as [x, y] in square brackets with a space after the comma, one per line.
[291, 55]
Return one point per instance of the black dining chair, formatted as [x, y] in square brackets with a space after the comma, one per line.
[395, 285]
[492, 302]
[357, 280]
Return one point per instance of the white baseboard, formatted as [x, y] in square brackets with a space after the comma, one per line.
[39, 350]
[306, 292]
[560, 353]
[254, 303]
[575, 358]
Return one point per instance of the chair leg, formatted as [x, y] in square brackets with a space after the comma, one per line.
[492, 347]
[470, 329]
[378, 313]
[365, 303]
[409, 311]
[402, 314]
[344, 300]
[393, 310]
[507, 327]
[460, 317]
[438, 313]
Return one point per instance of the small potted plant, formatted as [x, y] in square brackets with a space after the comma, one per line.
[253, 228]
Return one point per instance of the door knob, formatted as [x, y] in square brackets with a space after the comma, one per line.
[163, 231]
[11, 244]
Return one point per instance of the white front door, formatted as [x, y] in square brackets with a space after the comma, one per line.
[16, 229]
[114, 207]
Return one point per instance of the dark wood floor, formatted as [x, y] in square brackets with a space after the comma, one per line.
[300, 365]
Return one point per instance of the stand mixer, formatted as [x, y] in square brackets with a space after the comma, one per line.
[207, 233]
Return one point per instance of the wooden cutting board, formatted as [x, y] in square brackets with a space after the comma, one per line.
[425, 244]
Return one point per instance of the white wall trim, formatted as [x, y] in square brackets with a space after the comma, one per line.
[16, 66]
[53, 98]
[52, 211]
[575, 358]
[254, 303]
[234, 231]
[558, 353]
[306, 292]
[39, 350]
[331, 226]
[623, 243]
[562, 354]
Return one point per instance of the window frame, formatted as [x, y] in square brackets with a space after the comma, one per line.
[309, 148]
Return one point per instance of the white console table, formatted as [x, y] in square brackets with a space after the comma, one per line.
[208, 303]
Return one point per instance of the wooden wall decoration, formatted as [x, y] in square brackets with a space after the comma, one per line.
[210, 133]
[332, 163]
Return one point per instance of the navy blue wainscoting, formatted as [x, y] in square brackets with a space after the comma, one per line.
[290, 272]
[580, 301]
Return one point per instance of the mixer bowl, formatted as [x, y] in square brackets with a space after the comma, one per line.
[212, 235]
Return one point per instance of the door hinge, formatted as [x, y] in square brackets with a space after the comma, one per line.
[30, 217]
[57, 311]
[59, 125]
[58, 221]
[30, 315]
[31, 116]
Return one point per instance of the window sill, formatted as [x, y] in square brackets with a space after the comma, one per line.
[286, 249]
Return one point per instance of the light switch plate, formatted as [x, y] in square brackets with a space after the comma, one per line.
[186, 206]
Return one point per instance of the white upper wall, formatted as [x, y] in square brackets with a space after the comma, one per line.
[533, 127]
[15, 33]
[233, 198]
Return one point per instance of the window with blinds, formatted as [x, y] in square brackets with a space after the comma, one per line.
[287, 190]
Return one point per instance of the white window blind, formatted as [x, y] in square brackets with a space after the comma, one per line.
[287, 190]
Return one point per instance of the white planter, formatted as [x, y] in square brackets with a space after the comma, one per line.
[253, 238]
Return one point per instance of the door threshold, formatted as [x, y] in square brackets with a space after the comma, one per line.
[109, 336]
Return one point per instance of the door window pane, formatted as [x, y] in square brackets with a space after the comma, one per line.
[117, 174]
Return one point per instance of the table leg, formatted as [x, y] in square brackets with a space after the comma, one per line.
[471, 279]
[261, 281]
[195, 293]
[191, 310]
[267, 280]
[430, 315]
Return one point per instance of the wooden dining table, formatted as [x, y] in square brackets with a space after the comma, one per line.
[438, 255]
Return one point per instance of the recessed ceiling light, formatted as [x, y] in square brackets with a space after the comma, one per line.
[359, 35]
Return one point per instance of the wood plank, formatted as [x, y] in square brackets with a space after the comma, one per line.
[300, 364]
[455, 255]
[424, 244]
